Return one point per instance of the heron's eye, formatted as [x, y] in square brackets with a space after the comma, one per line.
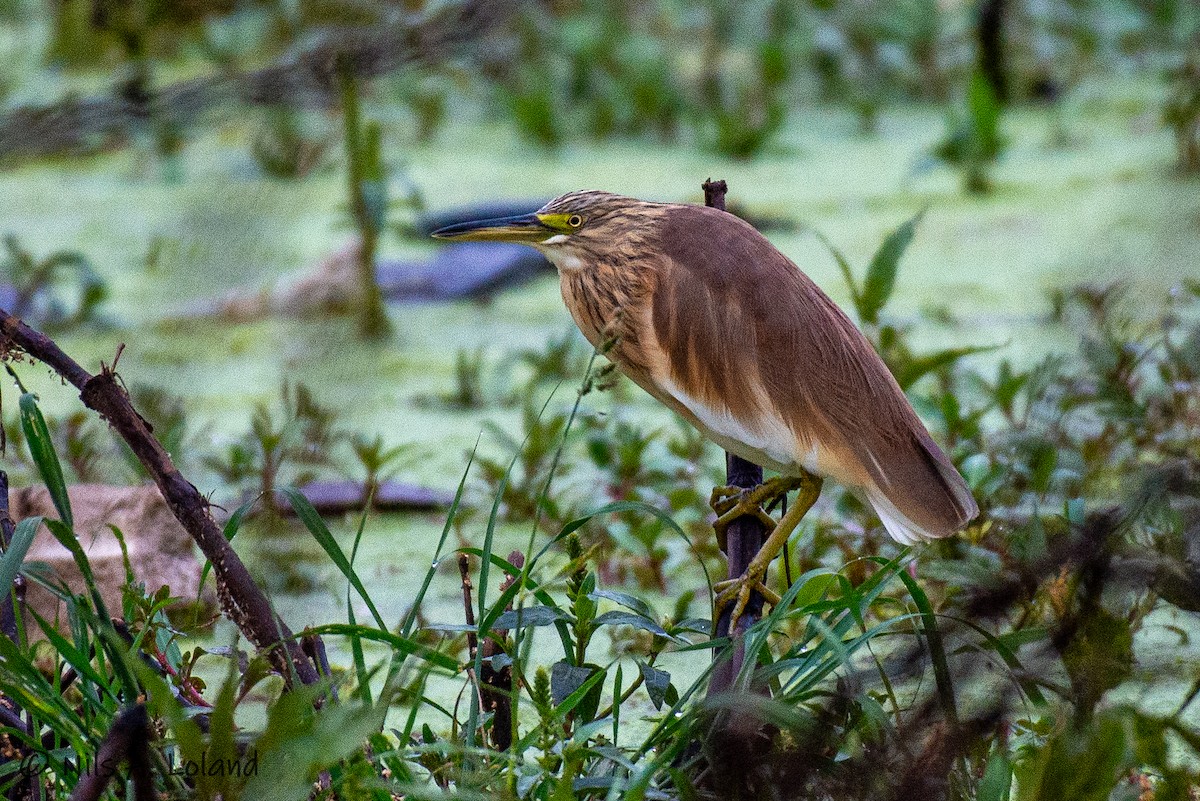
[574, 221]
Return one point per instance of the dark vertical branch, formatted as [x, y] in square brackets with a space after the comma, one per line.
[991, 47]
[127, 741]
[745, 536]
[494, 685]
[10, 604]
[498, 683]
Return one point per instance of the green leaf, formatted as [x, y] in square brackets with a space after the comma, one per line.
[401, 645]
[657, 684]
[221, 731]
[881, 274]
[299, 742]
[996, 783]
[627, 601]
[933, 639]
[619, 618]
[41, 448]
[14, 557]
[66, 537]
[531, 616]
[916, 368]
[566, 679]
[585, 699]
[1085, 765]
[848, 274]
[79, 660]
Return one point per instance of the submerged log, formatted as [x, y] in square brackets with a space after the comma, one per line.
[339, 497]
[471, 270]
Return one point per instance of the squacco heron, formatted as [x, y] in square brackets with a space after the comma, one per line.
[701, 311]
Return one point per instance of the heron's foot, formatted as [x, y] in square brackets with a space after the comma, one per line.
[737, 592]
[725, 498]
[741, 503]
[731, 503]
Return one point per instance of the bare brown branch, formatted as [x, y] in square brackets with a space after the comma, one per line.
[242, 600]
[127, 741]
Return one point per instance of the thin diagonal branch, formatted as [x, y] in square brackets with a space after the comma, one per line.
[243, 601]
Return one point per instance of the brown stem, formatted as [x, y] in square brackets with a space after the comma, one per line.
[127, 740]
[242, 600]
[10, 604]
[464, 570]
[745, 536]
[493, 686]
[498, 684]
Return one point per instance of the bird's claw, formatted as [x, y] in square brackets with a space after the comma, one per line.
[738, 591]
[734, 506]
[732, 502]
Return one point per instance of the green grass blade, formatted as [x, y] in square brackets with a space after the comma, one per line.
[632, 506]
[316, 526]
[398, 643]
[411, 618]
[14, 557]
[937, 651]
[356, 650]
[66, 537]
[485, 616]
[41, 448]
[77, 659]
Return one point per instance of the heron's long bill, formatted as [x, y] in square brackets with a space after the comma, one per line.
[526, 228]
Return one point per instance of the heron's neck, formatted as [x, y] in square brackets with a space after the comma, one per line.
[606, 304]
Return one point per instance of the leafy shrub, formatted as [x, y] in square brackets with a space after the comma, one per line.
[973, 140]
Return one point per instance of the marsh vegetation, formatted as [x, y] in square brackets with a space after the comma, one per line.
[1022, 251]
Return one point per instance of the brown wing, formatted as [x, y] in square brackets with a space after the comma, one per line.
[746, 331]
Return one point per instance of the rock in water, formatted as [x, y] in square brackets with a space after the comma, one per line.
[160, 551]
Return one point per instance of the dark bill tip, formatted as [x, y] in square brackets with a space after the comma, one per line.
[519, 228]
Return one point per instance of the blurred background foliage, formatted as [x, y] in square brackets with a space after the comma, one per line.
[706, 74]
[1047, 653]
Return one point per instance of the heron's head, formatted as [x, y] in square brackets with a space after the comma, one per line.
[574, 230]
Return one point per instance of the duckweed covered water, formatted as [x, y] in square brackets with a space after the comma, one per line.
[1085, 194]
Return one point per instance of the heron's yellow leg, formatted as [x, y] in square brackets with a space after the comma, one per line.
[738, 590]
[730, 502]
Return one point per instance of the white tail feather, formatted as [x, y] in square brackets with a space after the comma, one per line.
[902, 530]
